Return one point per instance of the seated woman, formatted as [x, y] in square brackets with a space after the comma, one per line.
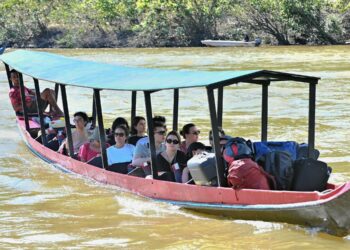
[91, 149]
[138, 129]
[80, 135]
[119, 121]
[121, 152]
[191, 134]
[172, 161]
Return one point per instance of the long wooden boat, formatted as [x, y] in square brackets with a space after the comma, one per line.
[230, 43]
[328, 210]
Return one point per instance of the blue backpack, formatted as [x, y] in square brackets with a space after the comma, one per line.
[237, 148]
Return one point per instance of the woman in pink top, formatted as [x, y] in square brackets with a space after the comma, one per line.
[91, 149]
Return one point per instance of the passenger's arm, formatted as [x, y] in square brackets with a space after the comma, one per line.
[141, 155]
[138, 161]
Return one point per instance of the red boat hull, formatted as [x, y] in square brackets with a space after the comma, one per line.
[328, 211]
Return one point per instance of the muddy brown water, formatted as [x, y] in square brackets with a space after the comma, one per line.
[43, 208]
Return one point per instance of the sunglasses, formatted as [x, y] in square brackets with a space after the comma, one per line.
[78, 119]
[119, 134]
[172, 141]
[162, 132]
[196, 132]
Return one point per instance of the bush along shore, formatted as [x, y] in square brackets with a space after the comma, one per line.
[170, 23]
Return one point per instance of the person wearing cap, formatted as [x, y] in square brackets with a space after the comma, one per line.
[222, 137]
[91, 149]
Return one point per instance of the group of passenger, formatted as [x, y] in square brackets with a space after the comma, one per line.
[133, 148]
[124, 144]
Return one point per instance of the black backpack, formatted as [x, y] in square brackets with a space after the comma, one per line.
[310, 175]
[280, 165]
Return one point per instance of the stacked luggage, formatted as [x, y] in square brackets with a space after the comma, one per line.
[264, 165]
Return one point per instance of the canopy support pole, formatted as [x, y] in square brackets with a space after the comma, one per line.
[152, 145]
[66, 118]
[56, 90]
[215, 130]
[101, 128]
[23, 98]
[176, 109]
[312, 107]
[8, 75]
[264, 110]
[133, 105]
[40, 111]
[93, 112]
[220, 105]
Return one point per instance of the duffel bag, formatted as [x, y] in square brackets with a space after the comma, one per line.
[261, 148]
[245, 173]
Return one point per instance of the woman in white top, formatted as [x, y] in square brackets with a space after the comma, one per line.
[120, 152]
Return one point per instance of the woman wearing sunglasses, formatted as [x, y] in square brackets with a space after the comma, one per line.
[121, 152]
[119, 121]
[172, 161]
[191, 134]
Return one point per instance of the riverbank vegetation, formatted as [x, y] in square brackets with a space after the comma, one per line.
[157, 23]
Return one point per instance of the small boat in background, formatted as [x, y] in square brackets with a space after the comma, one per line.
[230, 43]
[2, 48]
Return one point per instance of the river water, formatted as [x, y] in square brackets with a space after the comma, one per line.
[43, 208]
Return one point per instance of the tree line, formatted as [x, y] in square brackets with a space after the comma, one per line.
[167, 23]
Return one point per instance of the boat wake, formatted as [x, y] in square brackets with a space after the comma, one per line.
[139, 207]
[261, 227]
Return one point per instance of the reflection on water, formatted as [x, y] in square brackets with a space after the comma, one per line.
[43, 208]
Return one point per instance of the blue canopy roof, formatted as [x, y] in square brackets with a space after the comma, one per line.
[75, 72]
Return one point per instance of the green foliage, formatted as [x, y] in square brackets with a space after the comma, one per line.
[297, 19]
[101, 23]
[24, 21]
